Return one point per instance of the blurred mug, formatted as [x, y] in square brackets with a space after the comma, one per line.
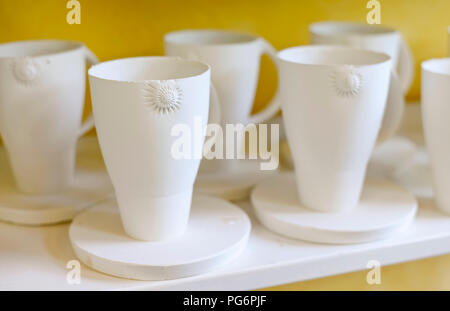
[378, 39]
[436, 125]
[333, 100]
[42, 91]
[137, 104]
[235, 60]
[371, 37]
[448, 30]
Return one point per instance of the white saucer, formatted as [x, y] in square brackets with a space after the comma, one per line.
[415, 175]
[217, 233]
[384, 210]
[234, 184]
[91, 185]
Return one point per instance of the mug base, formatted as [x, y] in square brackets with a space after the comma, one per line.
[156, 219]
[217, 233]
[91, 185]
[384, 210]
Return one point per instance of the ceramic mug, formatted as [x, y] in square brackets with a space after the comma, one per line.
[42, 91]
[371, 37]
[333, 100]
[137, 102]
[435, 107]
[235, 60]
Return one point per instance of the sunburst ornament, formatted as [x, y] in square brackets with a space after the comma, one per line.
[346, 81]
[163, 96]
[26, 70]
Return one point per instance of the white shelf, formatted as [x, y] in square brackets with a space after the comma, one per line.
[35, 258]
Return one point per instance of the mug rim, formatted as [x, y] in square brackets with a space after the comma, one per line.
[434, 66]
[371, 30]
[97, 67]
[242, 37]
[382, 57]
[72, 45]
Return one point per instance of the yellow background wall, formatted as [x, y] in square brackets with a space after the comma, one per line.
[115, 28]
[121, 28]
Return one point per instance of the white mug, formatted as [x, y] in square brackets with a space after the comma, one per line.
[137, 103]
[436, 125]
[42, 91]
[371, 37]
[235, 60]
[333, 100]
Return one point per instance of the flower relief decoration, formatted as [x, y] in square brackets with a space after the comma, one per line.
[346, 81]
[164, 96]
[25, 70]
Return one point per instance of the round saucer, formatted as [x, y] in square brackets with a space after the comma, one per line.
[91, 185]
[384, 210]
[217, 233]
[234, 184]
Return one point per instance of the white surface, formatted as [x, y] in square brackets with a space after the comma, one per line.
[36, 257]
[234, 184]
[217, 233]
[91, 185]
[384, 210]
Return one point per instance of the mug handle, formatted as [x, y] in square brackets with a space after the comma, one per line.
[405, 65]
[275, 104]
[88, 124]
[393, 113]
[215, 112]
